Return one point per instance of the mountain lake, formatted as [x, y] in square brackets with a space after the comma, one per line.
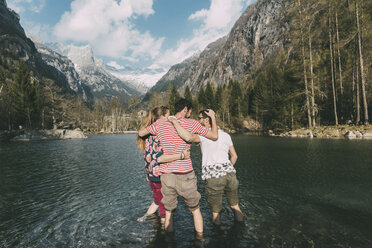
[294, 192]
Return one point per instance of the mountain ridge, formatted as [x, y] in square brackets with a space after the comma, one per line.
[254, 37]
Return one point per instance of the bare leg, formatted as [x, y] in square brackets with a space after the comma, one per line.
[238, 213]
[198, 221]
[168, 224]
[162, 222]
[216, 218]
[151, 210]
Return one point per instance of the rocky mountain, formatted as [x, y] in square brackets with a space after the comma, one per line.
[16, 46]
[93, 73]
[256, 35]
[65, 67]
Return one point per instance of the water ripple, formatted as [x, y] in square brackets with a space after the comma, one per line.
[89, 193]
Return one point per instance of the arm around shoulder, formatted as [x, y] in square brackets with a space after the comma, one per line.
[143, 132]
[182, 132]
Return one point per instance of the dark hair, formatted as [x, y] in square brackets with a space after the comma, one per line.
[204, 114]
[181, 104]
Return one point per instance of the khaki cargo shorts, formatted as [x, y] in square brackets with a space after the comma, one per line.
[173, 185]
[215, 187]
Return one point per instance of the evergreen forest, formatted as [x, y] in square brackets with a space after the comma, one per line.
[322, 76]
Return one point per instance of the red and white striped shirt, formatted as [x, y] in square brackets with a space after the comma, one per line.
[172, 143]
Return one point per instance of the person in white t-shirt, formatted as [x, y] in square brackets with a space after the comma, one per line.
[217, 168]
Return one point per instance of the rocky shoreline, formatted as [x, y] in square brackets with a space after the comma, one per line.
[30, 135]
[341, 131]
[345, 131]
[116, 132]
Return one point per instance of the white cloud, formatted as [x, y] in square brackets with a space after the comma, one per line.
[222, 14]
[107, 26]
[41, 31]
[200, 14]
[21, 6]
[215, 23]
[142, 7]
[115, 65]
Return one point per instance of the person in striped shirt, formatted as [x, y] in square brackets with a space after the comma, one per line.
[153, 156]
[178, 177]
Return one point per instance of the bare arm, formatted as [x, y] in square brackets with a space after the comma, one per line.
[233, 155]
[213, 133]
[173, 157]
[143, 132]
[182, 132]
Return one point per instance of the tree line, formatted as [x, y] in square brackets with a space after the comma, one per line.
[322, 76]
[29, 103]
[332, 54]
[232, 101]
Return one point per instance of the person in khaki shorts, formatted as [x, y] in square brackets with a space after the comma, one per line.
[217, 169]
[184, 185]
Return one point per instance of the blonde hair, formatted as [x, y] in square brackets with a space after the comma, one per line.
[152, 116]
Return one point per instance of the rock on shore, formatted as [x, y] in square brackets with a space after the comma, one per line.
[350, 132]
[50, 135]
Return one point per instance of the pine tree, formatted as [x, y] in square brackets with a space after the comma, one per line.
[23, 96]
[245, 104]
[218, 98]
[332, 64]
[209, 97]
[173, 98]
[235, 98]
[201, 98]
[361, 63]
[187, 94]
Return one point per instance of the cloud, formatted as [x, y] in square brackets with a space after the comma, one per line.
[21, 6]
[41, 31]
[215, 22]
[200, 14]
[115, 65]
[107, 25]
[142, 7]
[221, 14]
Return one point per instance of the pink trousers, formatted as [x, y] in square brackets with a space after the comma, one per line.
[156, 194]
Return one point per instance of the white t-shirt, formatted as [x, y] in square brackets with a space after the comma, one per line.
[215, 162]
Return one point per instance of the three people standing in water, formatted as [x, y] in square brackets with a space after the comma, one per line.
[174, 135]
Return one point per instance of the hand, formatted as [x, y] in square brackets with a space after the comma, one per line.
[187, 153]
[156, 171]
[172, 118]
[210, 113]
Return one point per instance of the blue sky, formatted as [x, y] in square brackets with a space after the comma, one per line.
[143, 34]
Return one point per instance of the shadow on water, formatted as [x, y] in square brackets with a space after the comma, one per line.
[236, 235]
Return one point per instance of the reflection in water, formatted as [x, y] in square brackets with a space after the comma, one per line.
[89, 193]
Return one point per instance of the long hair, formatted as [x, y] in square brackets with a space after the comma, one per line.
[152, 116]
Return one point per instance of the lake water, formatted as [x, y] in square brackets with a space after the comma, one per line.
[89, 193]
